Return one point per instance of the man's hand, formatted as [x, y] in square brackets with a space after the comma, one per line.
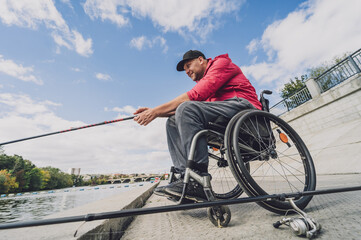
[145, 115]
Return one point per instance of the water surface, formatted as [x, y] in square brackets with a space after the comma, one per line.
[36, 206]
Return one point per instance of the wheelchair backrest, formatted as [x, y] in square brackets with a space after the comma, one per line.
[264, 101]
[257, 130]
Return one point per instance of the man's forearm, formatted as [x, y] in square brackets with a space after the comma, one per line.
[168, 109]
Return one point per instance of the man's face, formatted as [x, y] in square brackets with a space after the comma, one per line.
[195, 68]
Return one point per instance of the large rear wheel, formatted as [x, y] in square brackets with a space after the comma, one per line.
[268, 157]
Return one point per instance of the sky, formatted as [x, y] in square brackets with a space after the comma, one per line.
[70, 63]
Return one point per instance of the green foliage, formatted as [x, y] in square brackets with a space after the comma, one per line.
[18, 175]
[7, 182]
[293, 86]
[317, 71]
[58, 179]
[6, 162]
[77, 180]
[19, 168]
[35, 179]
[97, 180]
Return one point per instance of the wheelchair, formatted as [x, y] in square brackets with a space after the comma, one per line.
[254, 152]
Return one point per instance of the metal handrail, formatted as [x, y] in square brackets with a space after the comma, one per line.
[333, 76]
[291, 102]
[340, 72]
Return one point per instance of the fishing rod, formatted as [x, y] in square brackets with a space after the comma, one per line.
[143, 211]
[68, 130]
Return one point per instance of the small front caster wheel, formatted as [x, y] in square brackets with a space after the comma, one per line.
[219, 216]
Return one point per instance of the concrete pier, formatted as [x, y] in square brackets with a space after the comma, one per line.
[339, 214]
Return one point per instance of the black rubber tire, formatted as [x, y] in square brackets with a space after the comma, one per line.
[246, 166]
[226, 216]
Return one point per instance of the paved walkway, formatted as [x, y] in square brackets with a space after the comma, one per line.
[339, 215]
[336, 149]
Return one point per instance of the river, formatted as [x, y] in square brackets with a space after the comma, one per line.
[33, 206]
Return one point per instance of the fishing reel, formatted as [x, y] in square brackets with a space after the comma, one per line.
[301, 226]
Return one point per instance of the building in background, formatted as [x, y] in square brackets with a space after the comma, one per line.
[75, 171]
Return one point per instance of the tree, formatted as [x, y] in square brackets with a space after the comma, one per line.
[7, 182]
[6, 162]
[20, 178]
[77, 180]
[35, 179]
[22, 171]
[45, 178]
[18, 174]
[57, 179]
[293, 86]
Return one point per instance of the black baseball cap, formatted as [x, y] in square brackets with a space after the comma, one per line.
[191, 54]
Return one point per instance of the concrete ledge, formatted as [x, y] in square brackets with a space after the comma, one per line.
[100, 229]
[115, 228]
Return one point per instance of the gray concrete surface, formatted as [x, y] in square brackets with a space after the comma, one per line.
[336, 149]
[339, 215]
[100, 229]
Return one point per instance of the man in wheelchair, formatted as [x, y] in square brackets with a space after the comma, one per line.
[221, 91]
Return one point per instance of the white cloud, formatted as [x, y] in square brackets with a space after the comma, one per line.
[143, 42]
[128, 110]
[252, 46]
[187, 18]
[23, 104]
[103, 77]
[139, 42]
[120, 147]
[9, 67]
[76, 69]
[111, 10]
[312, 34]
[82, 46]
[31, 14]
[68, 3]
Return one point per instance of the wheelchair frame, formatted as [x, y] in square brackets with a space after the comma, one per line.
[220, 215]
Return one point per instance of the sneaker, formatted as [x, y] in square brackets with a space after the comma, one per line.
[160, 190]
[194, 191]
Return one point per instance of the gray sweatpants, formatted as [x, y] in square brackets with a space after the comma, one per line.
[191, 117]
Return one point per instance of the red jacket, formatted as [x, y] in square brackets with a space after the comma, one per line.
[223, 80]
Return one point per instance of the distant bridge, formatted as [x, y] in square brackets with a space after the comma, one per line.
[132, 179]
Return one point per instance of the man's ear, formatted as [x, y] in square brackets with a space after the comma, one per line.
[201, 60]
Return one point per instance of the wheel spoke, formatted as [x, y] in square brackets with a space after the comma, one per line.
[285, 178]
